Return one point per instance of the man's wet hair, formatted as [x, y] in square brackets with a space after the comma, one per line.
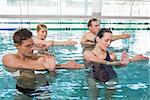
[21, 34]
[90, 21]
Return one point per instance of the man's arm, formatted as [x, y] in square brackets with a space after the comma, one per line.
[70, 65]
[87, 42]
[10, 60]
[88, 39]
[122, 36]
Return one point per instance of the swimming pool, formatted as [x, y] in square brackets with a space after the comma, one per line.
[72, 84]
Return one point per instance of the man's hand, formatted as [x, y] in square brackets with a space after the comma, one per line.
[125, 36]
[48, 61]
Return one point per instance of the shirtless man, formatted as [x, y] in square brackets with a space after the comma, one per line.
[88, 38]
[26, 59]
[26, 64]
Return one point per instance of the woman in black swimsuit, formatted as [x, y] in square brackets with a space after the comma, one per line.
[101, 61]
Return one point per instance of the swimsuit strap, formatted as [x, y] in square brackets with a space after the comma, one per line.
[107, 56]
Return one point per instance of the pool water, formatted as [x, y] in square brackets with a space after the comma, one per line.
[71, 84]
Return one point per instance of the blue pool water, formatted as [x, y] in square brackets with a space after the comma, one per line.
[67, 84]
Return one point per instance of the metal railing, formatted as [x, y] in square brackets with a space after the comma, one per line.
[72, 17]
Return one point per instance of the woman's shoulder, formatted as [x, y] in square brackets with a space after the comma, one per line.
[35, 38]
[87, 53]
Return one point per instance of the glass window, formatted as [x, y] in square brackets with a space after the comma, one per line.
[45, 7]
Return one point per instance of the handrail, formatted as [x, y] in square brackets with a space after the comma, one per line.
[60, 22]
[70, 29]
[73, 17]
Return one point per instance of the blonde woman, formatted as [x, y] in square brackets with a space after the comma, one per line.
[41, 36]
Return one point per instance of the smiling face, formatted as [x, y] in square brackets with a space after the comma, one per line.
[105, 41]
[42, 33]
[94, 28]
[25, 49]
